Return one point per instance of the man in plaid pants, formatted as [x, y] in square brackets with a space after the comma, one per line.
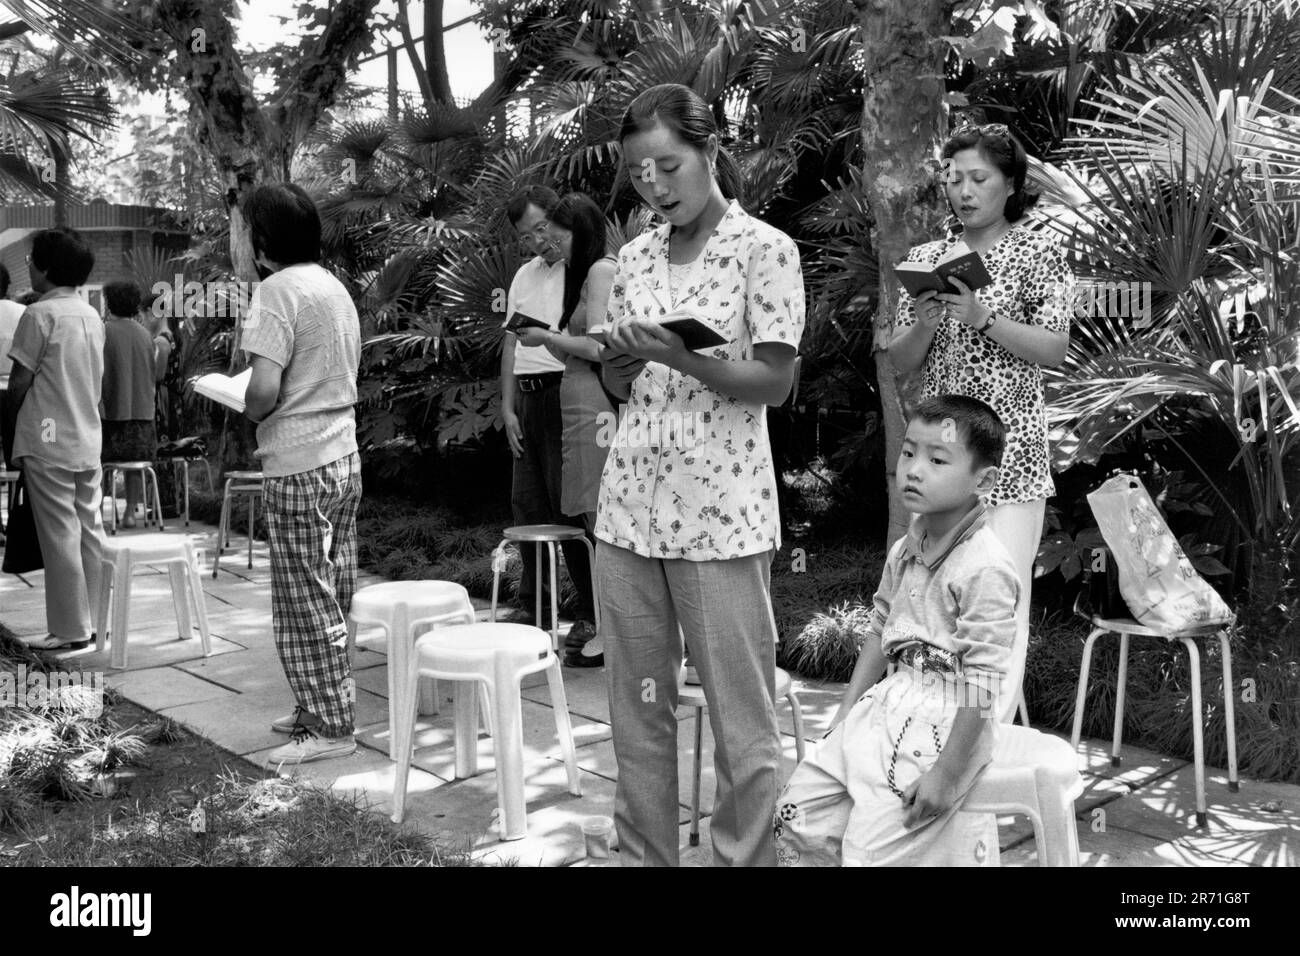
[302, 337]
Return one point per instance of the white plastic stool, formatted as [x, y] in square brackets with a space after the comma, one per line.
[404, 609]
[247, 484]
[118, 559]
[1035, 774]
[692, 695]
[498, 656]
[147, 474]
[1127, 627]
[549, 535]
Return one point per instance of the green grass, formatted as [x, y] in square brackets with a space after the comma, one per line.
[118, 786]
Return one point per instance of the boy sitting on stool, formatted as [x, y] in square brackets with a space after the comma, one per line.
[884, 786]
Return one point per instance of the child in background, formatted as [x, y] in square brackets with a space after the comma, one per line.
[884, 786]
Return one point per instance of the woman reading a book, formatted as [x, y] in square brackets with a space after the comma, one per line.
[577, 227]
[687, 520]
[992, 343]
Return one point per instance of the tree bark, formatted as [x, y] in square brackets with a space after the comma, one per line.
[408, 43]
[903, 120]
[435, 52]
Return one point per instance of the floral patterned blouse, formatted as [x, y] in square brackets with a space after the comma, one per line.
[1031, 284]
[689, 474]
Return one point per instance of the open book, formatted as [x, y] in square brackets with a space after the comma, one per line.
[696, 334]
[518, 320]
[227, 390]
[918, 277]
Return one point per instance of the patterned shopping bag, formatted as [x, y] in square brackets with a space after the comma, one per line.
[1156, 578]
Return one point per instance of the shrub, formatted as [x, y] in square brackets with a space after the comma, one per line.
[827, 648]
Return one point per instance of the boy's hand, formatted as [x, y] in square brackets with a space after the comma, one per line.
[931, 795]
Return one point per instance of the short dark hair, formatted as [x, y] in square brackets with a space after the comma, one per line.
[997, 144]
[62, 255]
[123, 298]
[4, 282]
[981, 431]
[284, 223]
[543, 197]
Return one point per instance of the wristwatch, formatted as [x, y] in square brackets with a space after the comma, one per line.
[993, 317]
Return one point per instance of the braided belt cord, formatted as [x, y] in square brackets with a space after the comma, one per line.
[893, 758]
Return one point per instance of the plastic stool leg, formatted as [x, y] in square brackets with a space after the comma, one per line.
[1059, 842]
[796, 711]
[121, 609]
[508, 745]
[466, 726]
[697, 764]
[401, 669]
[102, 602]
[1083, 686]
[200, 604]
[1198, 732]
[401, 735]
[563, 726]
[1121, 684]
[252, 511]
[180, 600]
[1229, 711]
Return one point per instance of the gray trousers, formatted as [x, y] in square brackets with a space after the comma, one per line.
[65, 505]
[724, 610]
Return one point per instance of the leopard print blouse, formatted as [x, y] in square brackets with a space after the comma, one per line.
[1032, 284]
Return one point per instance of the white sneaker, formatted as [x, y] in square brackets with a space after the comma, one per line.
[308, 746]
[285, 724]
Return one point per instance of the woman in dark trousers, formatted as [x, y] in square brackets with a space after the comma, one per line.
[687, 522]
[577, 227]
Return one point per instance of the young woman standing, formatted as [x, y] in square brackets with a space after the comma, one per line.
[687, 522]
[577, 227]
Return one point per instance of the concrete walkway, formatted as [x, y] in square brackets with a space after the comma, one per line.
[1139, 814]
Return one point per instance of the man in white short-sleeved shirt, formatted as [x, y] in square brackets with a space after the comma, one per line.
[303, 340]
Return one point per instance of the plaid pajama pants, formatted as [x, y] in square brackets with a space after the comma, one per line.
[311, 518]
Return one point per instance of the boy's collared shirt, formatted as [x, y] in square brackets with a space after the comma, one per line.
[957, 593]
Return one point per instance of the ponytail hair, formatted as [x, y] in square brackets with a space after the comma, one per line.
[578, 213]
[681, 110]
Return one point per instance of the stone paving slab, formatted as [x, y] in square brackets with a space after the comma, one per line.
[158, 688]
[1137, 814]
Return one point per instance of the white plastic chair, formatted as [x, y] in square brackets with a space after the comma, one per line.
[1035, 774]
[118, 559]
[404, 609]
[498, 657]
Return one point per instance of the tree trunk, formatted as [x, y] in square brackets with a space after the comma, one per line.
[408, 43]
[61, 187]
[902, 124]
[435, 52]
